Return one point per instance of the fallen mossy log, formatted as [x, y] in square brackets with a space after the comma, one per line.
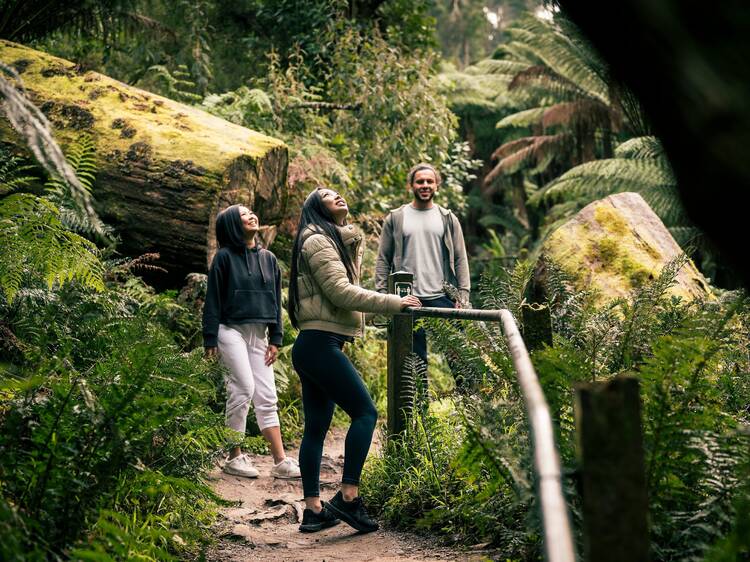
[164, 168]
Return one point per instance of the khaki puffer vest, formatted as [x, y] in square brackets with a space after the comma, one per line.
[327, 300]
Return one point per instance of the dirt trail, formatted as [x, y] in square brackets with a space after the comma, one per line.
[265, 526]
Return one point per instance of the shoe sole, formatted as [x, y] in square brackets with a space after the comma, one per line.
[318, 526]
[287, 477]
[349, 520]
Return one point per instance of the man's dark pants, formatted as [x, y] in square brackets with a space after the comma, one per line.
[419, 345]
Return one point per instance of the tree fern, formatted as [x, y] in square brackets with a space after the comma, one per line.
[562, 94]
[640, 165]
[33, 241]
[561, 55]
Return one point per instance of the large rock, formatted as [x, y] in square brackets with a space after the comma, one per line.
[164, 168]
[616, 245]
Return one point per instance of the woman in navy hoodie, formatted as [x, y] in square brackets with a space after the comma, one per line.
[243, 304]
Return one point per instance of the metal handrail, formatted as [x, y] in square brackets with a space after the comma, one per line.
[558, 537]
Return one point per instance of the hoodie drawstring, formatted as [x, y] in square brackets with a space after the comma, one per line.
[262, 270]
[263, 273]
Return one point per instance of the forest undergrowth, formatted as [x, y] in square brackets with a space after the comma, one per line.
[110, 416]
[463, 468]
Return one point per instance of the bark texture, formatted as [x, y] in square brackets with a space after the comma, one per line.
[164, 168]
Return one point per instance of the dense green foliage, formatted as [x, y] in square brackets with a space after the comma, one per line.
[109, 415]
[106, 421]
[106, 424]
[692, 363]
[567, 134]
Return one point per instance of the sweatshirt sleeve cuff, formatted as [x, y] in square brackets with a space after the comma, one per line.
[209, 340]
[394, 304]
[276, 340]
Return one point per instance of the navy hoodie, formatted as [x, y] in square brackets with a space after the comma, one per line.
[244, 287]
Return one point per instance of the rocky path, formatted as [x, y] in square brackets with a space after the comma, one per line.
[264, 527]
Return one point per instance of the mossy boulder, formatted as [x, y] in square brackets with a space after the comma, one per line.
[164, 168]
[617, 244]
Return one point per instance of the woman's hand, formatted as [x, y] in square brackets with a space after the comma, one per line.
[410, 300]
[271, 353]
[210, 352]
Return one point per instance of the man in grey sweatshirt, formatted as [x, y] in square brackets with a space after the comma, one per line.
[425, 239]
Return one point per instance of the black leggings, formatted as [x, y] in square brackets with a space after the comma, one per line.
[329, 378]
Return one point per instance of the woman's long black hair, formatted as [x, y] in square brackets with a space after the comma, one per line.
[316, 215]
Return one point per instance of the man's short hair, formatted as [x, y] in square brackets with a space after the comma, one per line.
[422, 166]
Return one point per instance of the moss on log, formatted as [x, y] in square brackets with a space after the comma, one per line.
[164, 168]
[617, 244]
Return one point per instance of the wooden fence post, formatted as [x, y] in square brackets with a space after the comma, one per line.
[610, 448]
[399, 347]
[537, 326]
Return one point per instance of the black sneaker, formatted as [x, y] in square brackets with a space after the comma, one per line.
[312, 522]
[353, 513]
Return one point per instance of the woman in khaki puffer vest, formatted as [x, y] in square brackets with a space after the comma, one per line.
[326, 304]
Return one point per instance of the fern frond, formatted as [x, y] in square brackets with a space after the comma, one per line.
[13, 172]
[537, 152]
[525, 118]
[176, 83]
[640, 147]
[507, 67]
[81, 156]
[582, 113]
[612, 175]
[544, 82]
[480, 90]
[685, 235]
[33, 241]
[561, 55]
[518, 50]
[507, 291]
[243, 106]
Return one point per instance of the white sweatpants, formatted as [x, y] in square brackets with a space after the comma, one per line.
[242, 348]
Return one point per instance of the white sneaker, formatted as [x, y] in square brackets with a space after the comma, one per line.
[288, 468]
[241, 466]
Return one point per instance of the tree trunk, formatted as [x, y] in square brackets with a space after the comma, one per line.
[164, 168]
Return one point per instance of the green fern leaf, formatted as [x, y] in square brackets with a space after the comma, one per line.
[34, 242]
[81, 156]
[525, 118]
[13, 172]
[561, 55]
[640, 147]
